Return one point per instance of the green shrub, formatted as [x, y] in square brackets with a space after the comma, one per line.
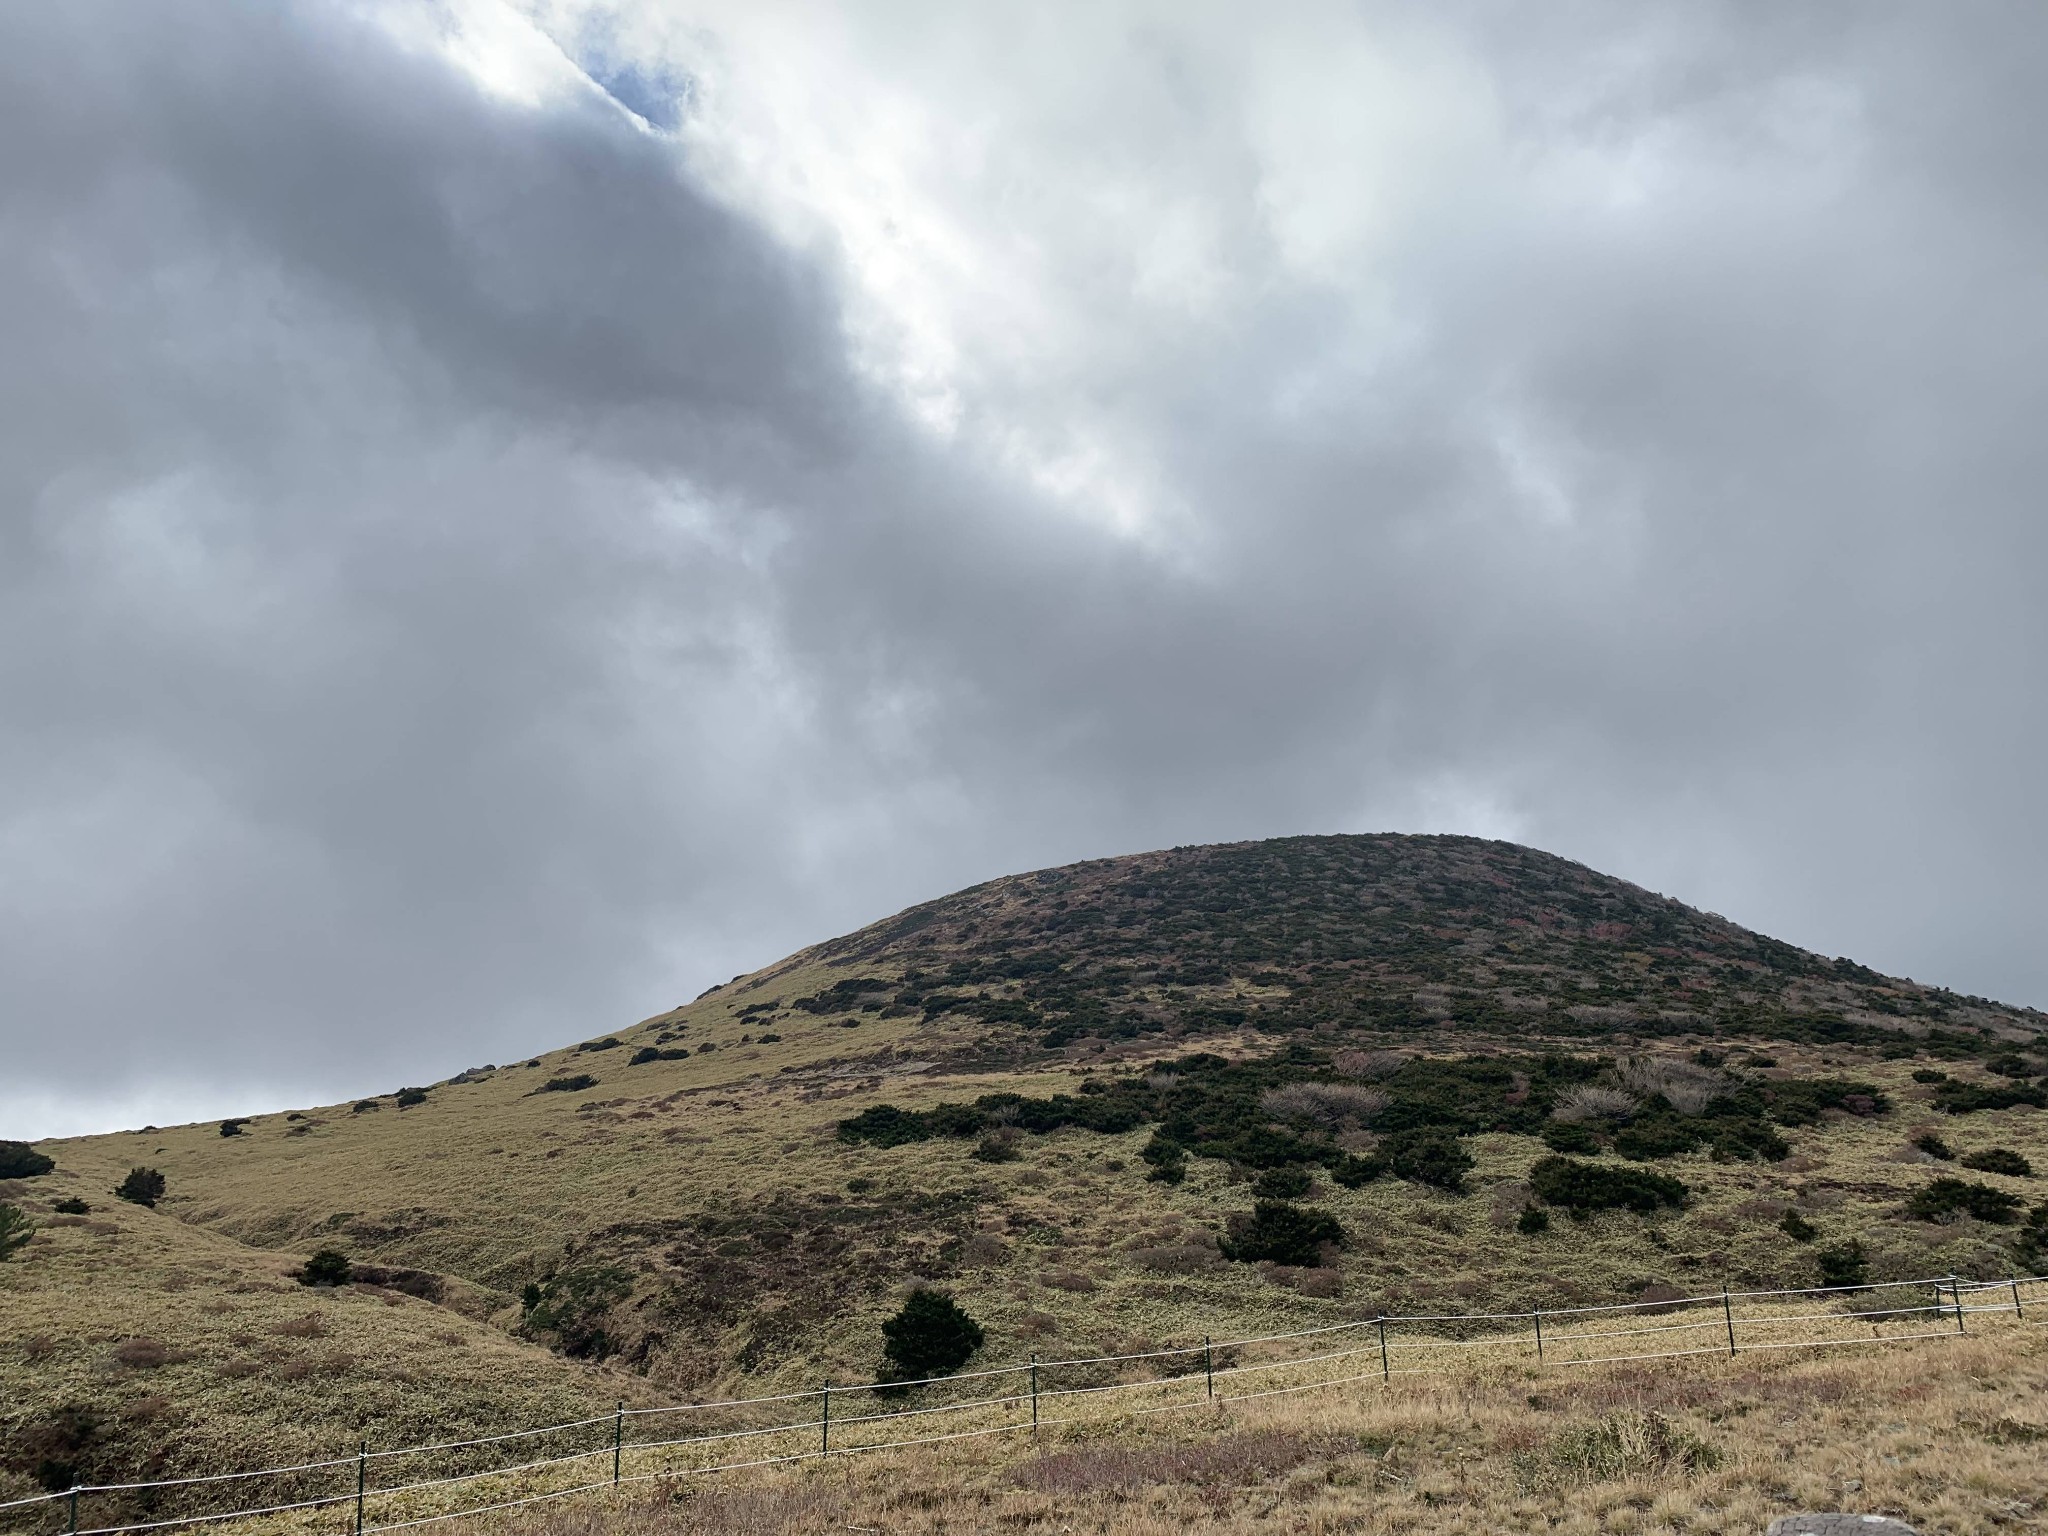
[1999, 1160]
[997, 1147]
[608, 1043]
[1969, 1098]
[2030, 1248]
[931, 1336]
[71, 1205]
[2008, 1064]
[15, 1231]
[406, 1098]
[327, 1267]
[574, 1084]
[1290, 1182]
[574, 1305]
[1934, 1146]
[1355, 1172]
[1798, 1228]
[1282, 1234]
[19, 1160]
[1930, 1075]
[1945, 1199]
[1843, 1264]
[143, 1186]
[1581, 1187]
[529, 1296]
[1570, 1136]
[231, 1127]
[1428, 1157]
[1800, 1101]
[1534, 1219]
[648, 1053]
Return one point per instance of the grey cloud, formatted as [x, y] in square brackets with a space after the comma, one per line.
[460, 593]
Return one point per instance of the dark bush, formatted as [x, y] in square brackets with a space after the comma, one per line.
[1797, 1227]
[575, 1084]
[770, 1040]
[1945, 1199]
[1968, 1098]
[1534, 1219]
[1428, 1157]
[2008, 1064]
[1582, 1187]
[1354, 1172]
[1999, 1160]
[406, 1098]
[1283, 1234]
[997, 1147]
[71, 1205]
[19, 1160]
[648, 1053]
[529, 1296]
[231, 1127]
[1800, 1101]
[327, 1267]
[930, 1337]
[1570, 1136]
[15, 1231]
[363, 1105]
[1290, 1182]
[55, 1447]
[574, 1306]
[1934, 1146]
[1930, 1075]
[143, 1186]
[1843, 1264]
[608, 1043]
[2030, 1248]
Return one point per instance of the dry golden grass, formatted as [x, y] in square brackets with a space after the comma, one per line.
[1946, 1434]
[193, 1354]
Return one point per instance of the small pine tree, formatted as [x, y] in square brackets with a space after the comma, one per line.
[143, 1186]
[1843, 1264]
[1797, 1227]
[1534, 1219]
[15, 1231]
[327, 1267]
[931, 1336]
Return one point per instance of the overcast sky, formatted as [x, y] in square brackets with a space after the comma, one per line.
[510, 514]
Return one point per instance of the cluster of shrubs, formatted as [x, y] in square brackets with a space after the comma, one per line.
[648, 1053]
[1947, 1199]
[573, 1083]
[20, 1160]
[1582, 1188]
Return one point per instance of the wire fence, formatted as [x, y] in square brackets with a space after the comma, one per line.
[399, 1488]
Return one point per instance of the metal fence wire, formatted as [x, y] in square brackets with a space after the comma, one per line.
[397, 1488]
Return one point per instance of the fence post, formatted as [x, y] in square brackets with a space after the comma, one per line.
[2016, 1312]
[1539, 1337]
[362, 1466]
[1955, 1289]
[74, 1509]
[618, 1440]
[1728, 1317]
[825, 1421]
[1034, 1397]
[1385, 1373]
[1209, 1363]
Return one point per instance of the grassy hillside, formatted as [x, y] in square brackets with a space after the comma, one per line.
[1061, 1095]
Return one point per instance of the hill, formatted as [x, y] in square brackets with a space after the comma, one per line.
[1445, 1071]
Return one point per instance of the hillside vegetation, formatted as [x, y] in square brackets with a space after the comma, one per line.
[1124, 1103]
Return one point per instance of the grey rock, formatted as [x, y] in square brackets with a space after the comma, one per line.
[1838, 1525]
